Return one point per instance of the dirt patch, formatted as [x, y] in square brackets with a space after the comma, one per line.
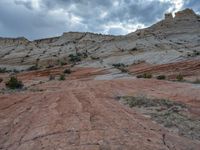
[172, 115]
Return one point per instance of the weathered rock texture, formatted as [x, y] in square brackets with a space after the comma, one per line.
[170, 40]
[83, 112]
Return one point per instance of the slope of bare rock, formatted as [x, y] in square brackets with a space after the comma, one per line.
[84, 114]
[170, 40]
[190, 68]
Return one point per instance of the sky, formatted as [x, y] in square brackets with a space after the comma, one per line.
[35, 19]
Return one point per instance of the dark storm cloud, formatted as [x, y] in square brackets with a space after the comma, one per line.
[42, 18]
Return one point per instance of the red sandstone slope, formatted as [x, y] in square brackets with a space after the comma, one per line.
[84, 114]
[189, 68]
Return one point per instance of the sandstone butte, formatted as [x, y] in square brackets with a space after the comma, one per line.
[86, 111]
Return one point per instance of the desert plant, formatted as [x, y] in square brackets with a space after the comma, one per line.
[35, 67]
[197, 81]
[196, 53]
[14, 83]
[94, 58]
[179, 77]
[67, 71]
[63, 63]
[3, 70]
[50, 66]
[145, 75]
[15, 71]
[139, 76]
[51, 77]
[121, 67]
[75, 58]
[118, 65]
[62, 77]
[161, 77]
[124, 70]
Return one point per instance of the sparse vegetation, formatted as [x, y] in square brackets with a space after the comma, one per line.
[161, 77]
[139, 76]
[62, 63]
[75, 58]
[134, 49]
[14, 83]
[179, 77]
[193, 53]
[169, 113]
[15, 71]
[67, 71]
[50, 66]
[124, 70]
[118, 65]
[62, 77]
[196, 53]
[143, 101]
[145, 75]
[51, 77]
[121, 67]
[3, 70]
[197, 81]
[94, 58]
[32, 68]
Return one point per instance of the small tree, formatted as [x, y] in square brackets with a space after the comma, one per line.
[14, 83]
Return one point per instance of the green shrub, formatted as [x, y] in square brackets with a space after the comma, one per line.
[51, 77]
[161, 77]
[3, 70]
[15, 71]
[139, 76]
[49, 66]
[63, 63]
[123, 70]
[62, 77]
[118, 65]
[95, 58]
[179, 77]
[196, 53]
[75, 58]
[67, 71]
[35, 67]
[145, 75]
[14, 83]
[1, 80]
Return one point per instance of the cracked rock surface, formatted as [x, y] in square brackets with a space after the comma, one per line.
[83, 114]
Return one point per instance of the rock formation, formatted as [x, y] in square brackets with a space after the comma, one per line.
[171, 39]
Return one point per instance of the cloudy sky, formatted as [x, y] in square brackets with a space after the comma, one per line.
[45, 18]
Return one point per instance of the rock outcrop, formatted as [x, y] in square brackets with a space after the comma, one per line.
[172, 39]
